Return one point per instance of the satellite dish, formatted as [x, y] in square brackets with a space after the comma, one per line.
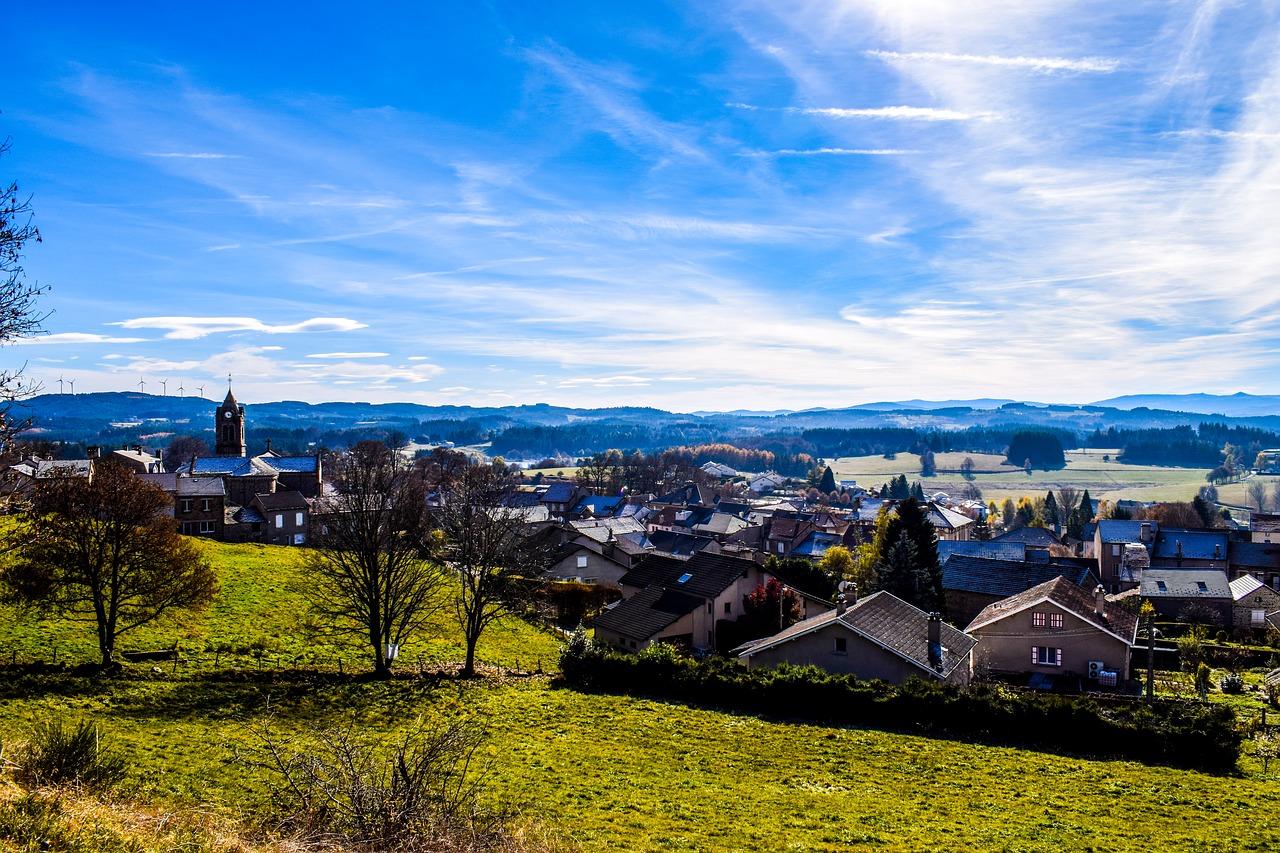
[844, 585]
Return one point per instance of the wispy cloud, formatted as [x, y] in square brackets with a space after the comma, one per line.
[76, 338]
[193, 155]
[186, 328]
[348, 355]
[1042, 64]
[817, 152]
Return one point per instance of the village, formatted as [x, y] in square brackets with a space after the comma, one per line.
[771, 570]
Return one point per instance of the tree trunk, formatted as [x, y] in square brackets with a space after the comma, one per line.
[469, 669]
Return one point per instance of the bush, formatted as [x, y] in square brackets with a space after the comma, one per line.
[1181, 734]
[58, 755]
[1232, 683]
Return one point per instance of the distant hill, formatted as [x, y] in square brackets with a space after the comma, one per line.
[1239, 405]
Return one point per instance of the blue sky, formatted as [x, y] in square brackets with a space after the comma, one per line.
[691, 206]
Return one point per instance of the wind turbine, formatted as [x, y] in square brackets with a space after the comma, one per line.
[142, 385]
[59, 384]
[164, 387]
[72, 383]
[180, 390]
[200, 391]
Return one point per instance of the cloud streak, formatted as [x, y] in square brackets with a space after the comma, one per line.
[1042, 64]
[189, 328]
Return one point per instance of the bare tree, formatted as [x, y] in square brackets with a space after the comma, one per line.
[371, 575]
[1068, 500]
[1256, 489]
[486, 544]
[182, 448]
[18, 316]
[102, 549]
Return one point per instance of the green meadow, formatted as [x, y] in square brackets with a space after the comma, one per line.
[1085, 469]
[598, 771]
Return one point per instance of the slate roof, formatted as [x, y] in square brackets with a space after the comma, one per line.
[647, 612]
[200, 487]
[992, 550]
[1264, 522]
[63, 467]
[245, 515]
[282, 500]
[1196, 544]
[720, 524]
[1257, 555]
[558, 493]
[690, 494]
[710, 574]
[1038, 537]
[1185, 583]
[890, 623]
[168, 482]
[1116, 532]
[946, 519]
[1120, 622]
[816, 544]
[295, 464]
[597, 504]
[1003, 578]
[679, 543]
[232, 466]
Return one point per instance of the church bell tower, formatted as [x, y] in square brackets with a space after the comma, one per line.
[229, 428]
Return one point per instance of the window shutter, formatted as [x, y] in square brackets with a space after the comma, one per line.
[1035, 658]
[1058, 656]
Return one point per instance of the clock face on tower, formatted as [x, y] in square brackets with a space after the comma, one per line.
[226, 414]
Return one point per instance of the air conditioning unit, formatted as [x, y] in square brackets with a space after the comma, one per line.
[1095, 668]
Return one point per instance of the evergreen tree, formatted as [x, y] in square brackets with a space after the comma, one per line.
[827, 484]
[917, 491]
[1051, 515]
[922, 585]
[900, 571]
[1086, 507]
[980, 532]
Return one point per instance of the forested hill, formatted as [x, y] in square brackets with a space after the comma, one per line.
[536, 431]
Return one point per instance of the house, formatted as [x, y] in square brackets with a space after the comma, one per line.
[1256, 605]
[785, 533]
[575, 561]
[135, 459]
[558, 498]
[718, 470]
[972, 584]
[989, 550]
[199, 506]
[1190, 595]
[880, 636]
[1041, 538]
[766, 482]
[287, 515]
[1189, 548]
[1264, 528]
[948, 523]
[683, 601]
[1056, 628]
[1259, 559]
[689, 494]
[1109, 539]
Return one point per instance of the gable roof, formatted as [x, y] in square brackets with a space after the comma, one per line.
[1117, 532]
[991, 550]
[1246, 585]
[559, 493]
[647, 612]
[1003, 578]
[679, 543]
[1195, 544]
[1185, 583]
[708, 574]
[200, 487]
[1119, 622]
[1037, 536]
[282, 500]
[887, 621]
[1264, 522]
[1260, 555]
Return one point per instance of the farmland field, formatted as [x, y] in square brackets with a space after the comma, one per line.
[1085, 469]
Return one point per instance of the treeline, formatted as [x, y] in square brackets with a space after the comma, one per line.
[1175, 733]
[584, 439]
[1184, 446]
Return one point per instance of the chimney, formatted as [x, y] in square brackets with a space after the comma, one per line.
[841, 604]
[1144, 532]
[1100, 602]
[159, 454]
[935, 640]
[1178, 555]
[93, 451]
[1217, 552]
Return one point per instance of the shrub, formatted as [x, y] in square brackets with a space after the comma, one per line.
[60, 755]
[1232, 683]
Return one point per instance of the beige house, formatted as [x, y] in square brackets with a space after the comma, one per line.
[880, 636]
[1056, 628]
[1256, 604]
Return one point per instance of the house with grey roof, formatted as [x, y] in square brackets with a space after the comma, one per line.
[1109, 539]
[971, 583]
[287, 515]
[877, 637]
[1189, 548]
[1056, 629]
[1190, 595]
[1259, 559]
[1256, 606]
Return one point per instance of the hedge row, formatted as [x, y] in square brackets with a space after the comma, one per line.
[1173, 733]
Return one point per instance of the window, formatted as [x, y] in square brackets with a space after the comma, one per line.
[206, 505]
[279, 520]
[1160, 586]
[684, 578]
[591, 580]
[1055, 620]
[582, 562]
[299, 538]
[841, 646]
[1258, 617]
[298, 520]
[1037, 619]
[1046, 656]
[1115, 550]
[1202, 586]
[186, 505]
[207, 527]
[728, 607]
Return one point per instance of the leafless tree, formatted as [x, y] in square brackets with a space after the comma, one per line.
[1256, 489]
[486, 543]
[102, 549]
[371, 576]
[18, 315]
[1068, 500]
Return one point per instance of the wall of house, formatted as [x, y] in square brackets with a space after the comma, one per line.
[1173, 608]
[200, 516]
[597, 569]
[285, 528]
[1005, 646]
[862, 658]
[1263, 599]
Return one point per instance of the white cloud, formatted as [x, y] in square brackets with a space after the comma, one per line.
[193, 155]
[188, 328]
[814, 152]
[349, 355]
[77, 338]
[900, 113]
[1043, 64]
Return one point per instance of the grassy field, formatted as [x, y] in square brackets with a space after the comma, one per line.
[607, 772]
[1085, 469]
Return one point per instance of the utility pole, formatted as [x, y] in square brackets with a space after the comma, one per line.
[1151, 657]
